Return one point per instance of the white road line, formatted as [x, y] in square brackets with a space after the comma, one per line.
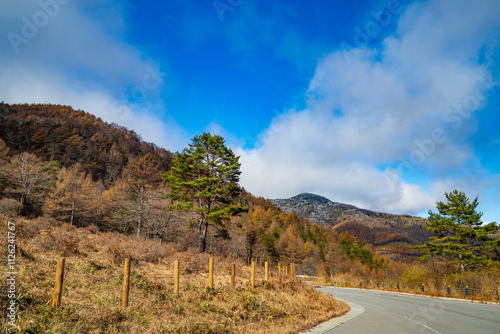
[403, 316]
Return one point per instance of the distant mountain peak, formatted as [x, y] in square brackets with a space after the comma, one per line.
[311, 198]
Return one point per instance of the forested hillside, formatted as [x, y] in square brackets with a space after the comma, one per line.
[65, 135]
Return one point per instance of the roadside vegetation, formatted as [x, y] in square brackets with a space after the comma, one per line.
[91, 299]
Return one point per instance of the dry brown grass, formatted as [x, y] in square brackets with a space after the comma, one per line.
[91, 301]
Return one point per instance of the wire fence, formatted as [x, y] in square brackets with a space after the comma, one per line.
[490, 294]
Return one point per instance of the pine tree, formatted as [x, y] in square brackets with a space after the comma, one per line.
[459, 233]
[204, 178]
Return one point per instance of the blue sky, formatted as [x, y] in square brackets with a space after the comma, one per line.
[382, 104]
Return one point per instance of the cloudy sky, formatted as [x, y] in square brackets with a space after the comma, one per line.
[381, 104]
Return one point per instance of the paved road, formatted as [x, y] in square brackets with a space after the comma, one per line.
[394, 313]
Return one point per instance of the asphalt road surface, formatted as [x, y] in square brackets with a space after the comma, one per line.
[395, 313]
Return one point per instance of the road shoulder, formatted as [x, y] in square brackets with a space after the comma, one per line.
[332, 323]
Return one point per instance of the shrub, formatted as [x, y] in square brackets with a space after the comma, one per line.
[10, 206]
[414, 276]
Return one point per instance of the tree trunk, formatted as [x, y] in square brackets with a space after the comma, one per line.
[72, 211]
[141, 197]
[202, 233]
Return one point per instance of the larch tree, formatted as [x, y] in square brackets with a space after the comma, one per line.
[459, 233]
[204, 179]
[160, 223]
[28, 176]
[4, 151]
[4, 161]
[113, 206]
[141, 177]
[72, 198]
[290, 245]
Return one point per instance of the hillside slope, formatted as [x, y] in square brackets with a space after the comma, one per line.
[91, 297]
[61, 133]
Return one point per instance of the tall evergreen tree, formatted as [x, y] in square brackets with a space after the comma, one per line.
[204, 178]
[459, 233]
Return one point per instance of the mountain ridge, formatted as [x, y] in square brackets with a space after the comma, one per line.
[373, 227]
[307, 199]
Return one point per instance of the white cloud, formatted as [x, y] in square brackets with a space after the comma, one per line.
[383, 107]
[65, 52]
[230, 139]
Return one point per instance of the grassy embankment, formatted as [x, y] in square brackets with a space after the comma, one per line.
[91, 300]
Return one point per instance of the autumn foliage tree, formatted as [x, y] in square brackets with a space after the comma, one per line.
[73, 197]
[4, 161]
[27, 177]
[132, 197]
[141, 176]
[290, 245]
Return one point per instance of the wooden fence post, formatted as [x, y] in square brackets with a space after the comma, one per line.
[176, 277]
[233, 275]
[56, 298]
[252, 280]
[279, 271]
[211, 272]
[126, 281]
[266, 271]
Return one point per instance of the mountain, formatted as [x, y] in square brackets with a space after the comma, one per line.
[63, 134]
[372, 227]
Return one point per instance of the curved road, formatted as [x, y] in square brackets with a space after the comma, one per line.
[396, 313]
